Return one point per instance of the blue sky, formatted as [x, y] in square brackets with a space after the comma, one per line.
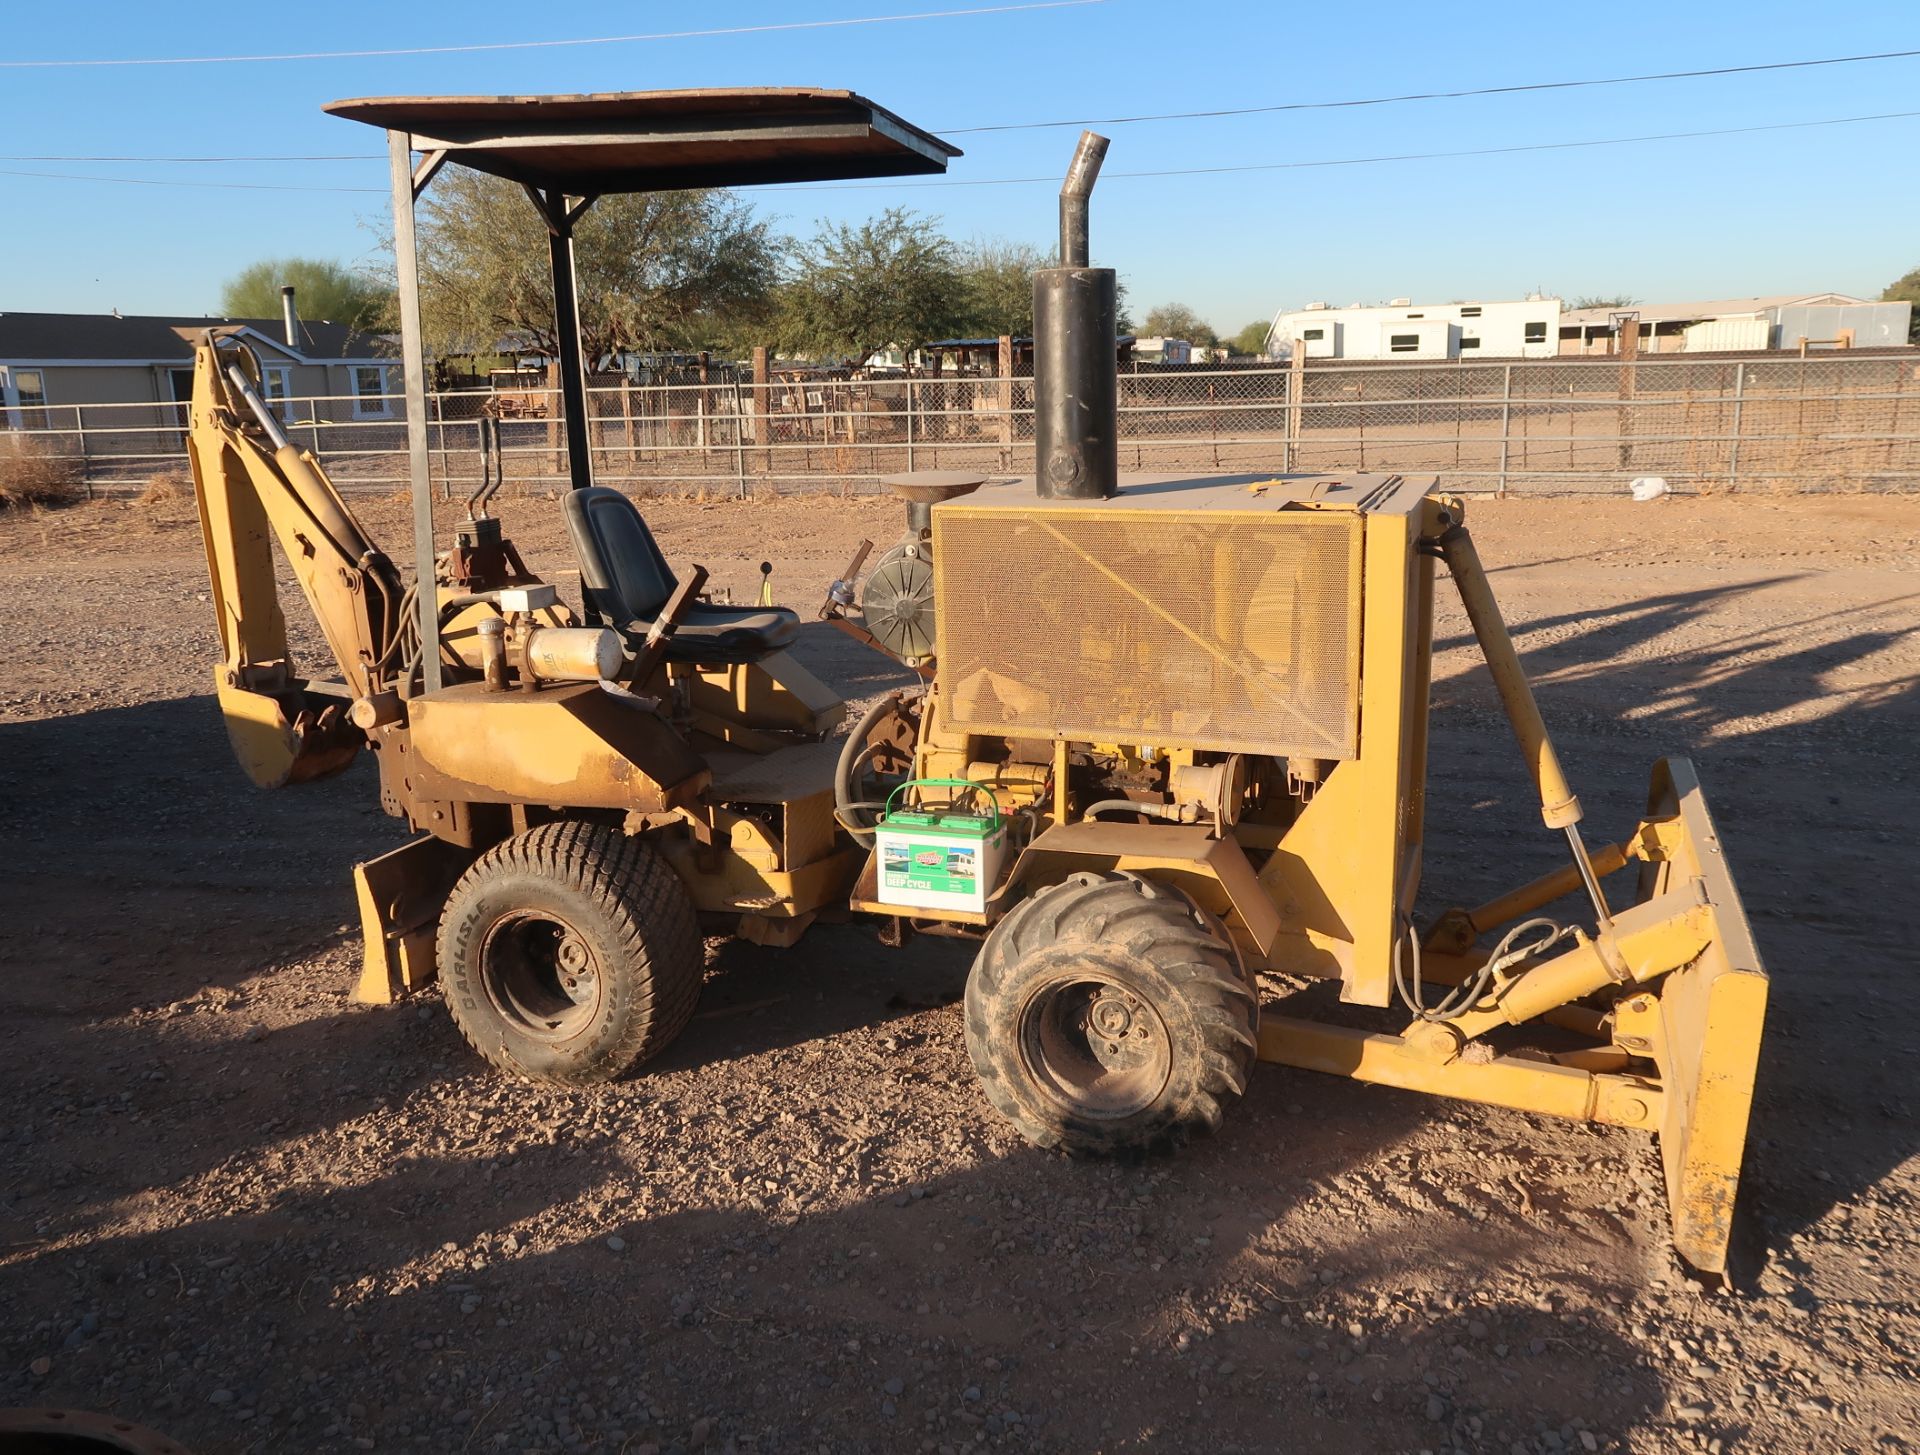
[1780, 211]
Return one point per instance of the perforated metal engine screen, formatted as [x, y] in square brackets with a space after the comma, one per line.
[1236, 632]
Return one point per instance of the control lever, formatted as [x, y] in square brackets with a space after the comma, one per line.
[664, 625]
[840, 594]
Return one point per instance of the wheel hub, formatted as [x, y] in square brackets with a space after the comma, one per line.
[540, 975]
[1111, 1016]
[1095, 1047]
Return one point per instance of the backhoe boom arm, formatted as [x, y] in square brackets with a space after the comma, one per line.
[250, 481]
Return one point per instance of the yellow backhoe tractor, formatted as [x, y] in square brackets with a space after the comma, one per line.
[1174, 758]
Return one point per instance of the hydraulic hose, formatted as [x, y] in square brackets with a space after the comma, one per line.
[1166, 812]
[853, 812]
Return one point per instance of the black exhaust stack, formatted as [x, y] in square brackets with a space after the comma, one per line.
[1075, 381]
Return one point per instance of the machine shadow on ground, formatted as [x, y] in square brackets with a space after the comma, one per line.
[1724, 704]
[1077, 1305]
[150, 845]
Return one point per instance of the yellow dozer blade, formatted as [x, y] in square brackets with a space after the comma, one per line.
[1705, 1027]
[1671, 994]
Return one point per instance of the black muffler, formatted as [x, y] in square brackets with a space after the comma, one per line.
[1075, 382]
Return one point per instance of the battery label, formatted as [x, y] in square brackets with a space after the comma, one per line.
[938, 868]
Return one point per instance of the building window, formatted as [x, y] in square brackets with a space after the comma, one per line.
[276, 387]
[1536, 333]
[1416, 315]
[1403, 343]
[25, 392]
[1314, 335]
[1468, 341]
[370, 392]
[1471, 310]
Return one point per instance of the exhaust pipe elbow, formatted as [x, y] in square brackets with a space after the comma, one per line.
[1082, 173]
[1075, 384]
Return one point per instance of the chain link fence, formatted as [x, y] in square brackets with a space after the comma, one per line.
[1754, 422]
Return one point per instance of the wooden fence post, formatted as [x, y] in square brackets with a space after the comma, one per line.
[1629, 386]
[762, 429]
[555, 440]
[626, 416]
[739, 439]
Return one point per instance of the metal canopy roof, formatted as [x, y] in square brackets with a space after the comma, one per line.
[659, 141]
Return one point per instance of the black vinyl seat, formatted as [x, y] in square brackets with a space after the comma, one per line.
[627, 580]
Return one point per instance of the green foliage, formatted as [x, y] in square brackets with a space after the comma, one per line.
[653, 270]
[1251, 340]
[999, 286]
[321, 290]
[1906, 289]
[1605, 300]
[854, 289]
[1176, 320]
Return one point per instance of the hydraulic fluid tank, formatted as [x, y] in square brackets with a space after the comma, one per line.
[573, 653]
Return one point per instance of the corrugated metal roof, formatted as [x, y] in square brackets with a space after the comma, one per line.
[51, 338]
[1711, 308]
[657, 141]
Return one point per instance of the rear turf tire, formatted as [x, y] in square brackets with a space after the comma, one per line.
[1108, 1014]
[570, 954]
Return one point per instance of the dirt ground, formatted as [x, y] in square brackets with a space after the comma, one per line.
[246, 1212]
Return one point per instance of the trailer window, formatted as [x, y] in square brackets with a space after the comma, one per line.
[1314, 335]
[1468, 341]
[1403, 343]
[1536, 333]
[1471, 310]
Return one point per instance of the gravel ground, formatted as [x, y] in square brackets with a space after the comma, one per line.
[244, 1211]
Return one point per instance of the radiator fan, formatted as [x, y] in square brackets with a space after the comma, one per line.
[896, 603]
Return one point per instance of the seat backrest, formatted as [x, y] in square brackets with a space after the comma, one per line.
[623, 575]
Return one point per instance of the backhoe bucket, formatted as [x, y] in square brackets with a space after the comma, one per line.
[286, 737]
[1706, 1033]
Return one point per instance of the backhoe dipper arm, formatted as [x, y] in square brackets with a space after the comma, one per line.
[249, 479]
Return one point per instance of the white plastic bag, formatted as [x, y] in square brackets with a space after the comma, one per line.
[1650, 487]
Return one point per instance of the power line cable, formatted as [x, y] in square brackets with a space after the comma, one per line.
[174, 182]
[1545, 146]
[1039, 125]
[1433, 95]
[338, 157]
[527, 45]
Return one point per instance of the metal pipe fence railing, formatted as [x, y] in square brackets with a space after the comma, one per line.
[1827, 422]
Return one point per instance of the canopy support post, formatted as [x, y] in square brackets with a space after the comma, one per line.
[414, 363]
[560, 213]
